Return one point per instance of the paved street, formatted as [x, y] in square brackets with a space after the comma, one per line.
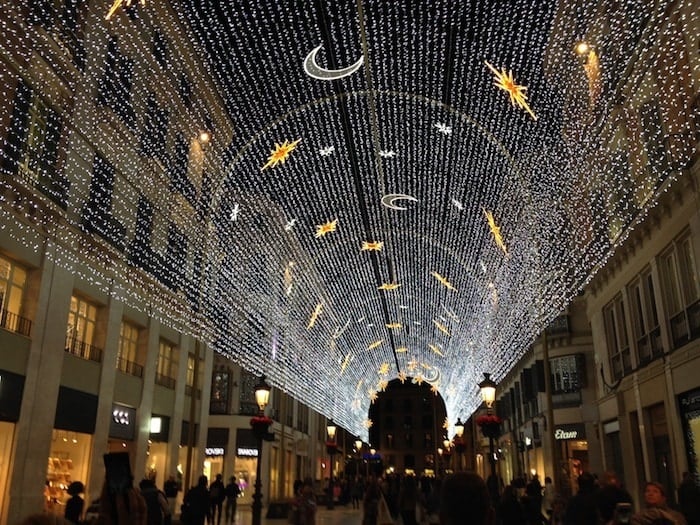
[337, 516]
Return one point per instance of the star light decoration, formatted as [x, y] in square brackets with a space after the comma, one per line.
[121, 3]
[147, 218]
[280, 153]
[323, 229]
[505, 81]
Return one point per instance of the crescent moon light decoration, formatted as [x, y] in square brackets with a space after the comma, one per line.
[388, 200]
[315, 71]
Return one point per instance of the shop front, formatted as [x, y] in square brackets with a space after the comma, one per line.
[71, 445]
[214, 453]
[157, 455]
[122, 429]
[245, 463]
[573, 455]
[689, 406]
[11, 388]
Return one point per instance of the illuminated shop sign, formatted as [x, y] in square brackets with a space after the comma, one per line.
[570, 432]
[247, 452]
[214, 451]
[122, 422]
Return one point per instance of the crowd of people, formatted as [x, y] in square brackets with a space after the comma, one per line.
[459, 498]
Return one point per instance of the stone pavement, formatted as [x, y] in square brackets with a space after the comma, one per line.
[338, 516]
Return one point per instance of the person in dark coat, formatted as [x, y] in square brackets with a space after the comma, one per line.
[610, 494]
[232, 491]
[583, 507]
[156, 502]
[464, 498]
[533, 490]
[689, 499]
[74, 506]
[195, 507]
[510, 511]
[217, 495]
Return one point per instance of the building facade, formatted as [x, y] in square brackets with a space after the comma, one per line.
[623, 388]
[109, 144]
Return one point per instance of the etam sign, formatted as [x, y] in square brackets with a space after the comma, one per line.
[567, 432]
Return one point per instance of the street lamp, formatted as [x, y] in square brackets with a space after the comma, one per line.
[331, 447]
[358, 449]
[488, 394]
[447, 452]
[459, 442]
[439, 469]
[260, 423]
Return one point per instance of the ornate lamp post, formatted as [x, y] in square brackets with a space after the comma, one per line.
[490, 424]
[331, 447]
[372, 452]
[439, 469]
[460, 446]
[358, 449]
[260, 423]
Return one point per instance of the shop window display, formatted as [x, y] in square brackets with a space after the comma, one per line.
[68, 462]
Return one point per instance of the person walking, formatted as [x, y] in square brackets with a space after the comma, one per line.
[409, 501]
[370, 503]
[195, 507]
[171, 488]
[217, 494]
[583, 507]
[610, 494]
[232, 491]
[156, 503]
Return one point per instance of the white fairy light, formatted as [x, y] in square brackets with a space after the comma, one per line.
[565, 190]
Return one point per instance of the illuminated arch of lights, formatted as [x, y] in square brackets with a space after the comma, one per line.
[347, 221]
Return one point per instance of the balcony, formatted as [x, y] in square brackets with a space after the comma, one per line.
[166, 381]
[83, 350]
[15, 323]
[129, 367]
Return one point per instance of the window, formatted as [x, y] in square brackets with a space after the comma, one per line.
[681, 291]
[97, 214]
[13, 279]
[114, 90]
[220, 389]
[32, 145]
[166, 368]
[80, 333]
[155, 129]
[128, 350]
[616, 337]
[160, 49]
[645, 319]
[190, 379]
[566, 373]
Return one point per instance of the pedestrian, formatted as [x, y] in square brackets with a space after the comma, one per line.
[74, 506]
[548, 497]
[534, 498]
[410, 501]
[232, 491]
[656, 510]
[465, 499]
[196, 505]
[689, 499]
[156, 503]
[583, 507]
[610, 494]
[370, 503]
[357, 492]
[304, 505]
[120, 502]
[217, 495]
[510, 511]
[171, 489]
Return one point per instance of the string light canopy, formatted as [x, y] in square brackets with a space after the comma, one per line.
[378, 208]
